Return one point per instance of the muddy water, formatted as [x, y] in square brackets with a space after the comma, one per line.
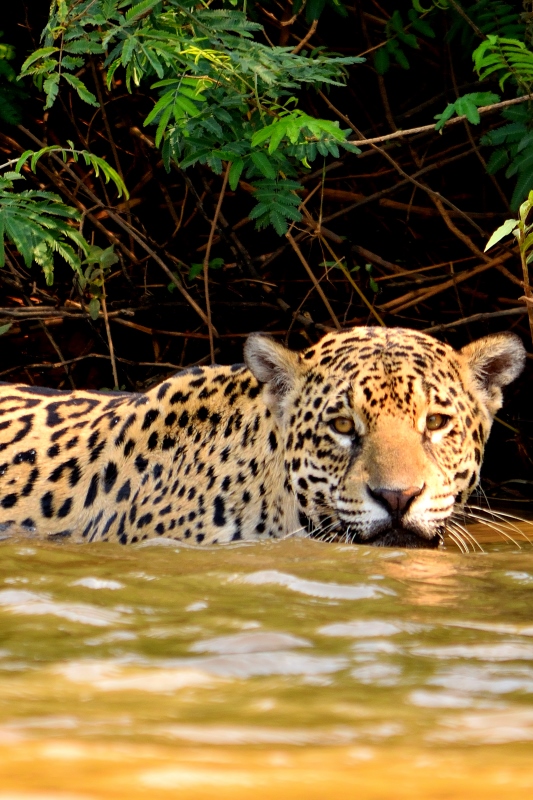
[288, 670]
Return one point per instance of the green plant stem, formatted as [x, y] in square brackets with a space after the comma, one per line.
[527, 288]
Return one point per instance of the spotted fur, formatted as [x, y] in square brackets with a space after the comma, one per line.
[220, 454]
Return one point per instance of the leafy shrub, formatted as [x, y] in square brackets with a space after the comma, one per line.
[222, 94]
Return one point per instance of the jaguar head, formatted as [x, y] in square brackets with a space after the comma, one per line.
[384, 429]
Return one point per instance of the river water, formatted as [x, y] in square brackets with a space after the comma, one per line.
[295, 669]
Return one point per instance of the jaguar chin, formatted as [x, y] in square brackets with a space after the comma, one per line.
[403, 537]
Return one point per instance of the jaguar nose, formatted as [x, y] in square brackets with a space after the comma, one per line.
[396, 501]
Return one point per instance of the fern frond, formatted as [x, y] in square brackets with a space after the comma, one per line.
[506, 58]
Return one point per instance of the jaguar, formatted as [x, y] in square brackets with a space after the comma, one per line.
[372, 436]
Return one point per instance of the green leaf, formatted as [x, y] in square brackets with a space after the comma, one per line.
[263, 164]
[194, 271]
[445, 116]
[523, 162]
[314, 9]
[333, 149]
[128, 49]
[164, 101]
[140, 10]
[468, 108]
[82, 90]
[51, 88]
[13, 176]
[84, 45]
[235, 172]
[525, 142]
[408, 39]
[506, 134]
[187, 105]
[94, 308]
[162, 125]
[279, 130]
[528, 241]
[279, 222]
[106, 258]
[419, 24]
[155, 63]
[504, 230]
[523, 185]
[111, 71]
[381, 60]
[5, 328]
[400, 57]
[498, 159]
[2, 243]
[43, 52]
[193, 94]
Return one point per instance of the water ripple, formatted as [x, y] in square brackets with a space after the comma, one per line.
[21, 601]
[363, 628]
[503, 651]
[331, 591]
[257, 642]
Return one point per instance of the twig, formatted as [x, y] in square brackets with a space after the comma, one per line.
[342, 195]
[462, 13]
[59, 364]
[180, 335]
[109, 338]
[96, 79]
[484, 315]
[58, 351]
[381, 261]
[428, 268]
[124, 225]
[435, 196]
[467, 126]
[353, 283]
[390, 189]
[30, 313]
[455, 230]
[268, 258]
[426, 128]
[306, 38]
[206, 262]
[157, 332]
[420, 295]
[314, 280]
[225, 230]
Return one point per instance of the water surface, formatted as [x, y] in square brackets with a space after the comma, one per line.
[293, 669]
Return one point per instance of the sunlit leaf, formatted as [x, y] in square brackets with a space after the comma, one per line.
[504, 230]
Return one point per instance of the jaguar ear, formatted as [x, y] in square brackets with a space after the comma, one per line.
[273, 364]
[495, 361]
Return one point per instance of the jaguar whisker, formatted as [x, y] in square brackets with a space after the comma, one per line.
[456, 537]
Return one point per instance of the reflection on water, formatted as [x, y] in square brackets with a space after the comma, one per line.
[296, 669]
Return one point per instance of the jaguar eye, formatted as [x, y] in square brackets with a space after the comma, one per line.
[343, 425]
[435, 422]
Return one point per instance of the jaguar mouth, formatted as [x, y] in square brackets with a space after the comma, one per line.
[393, 536]
[401, 537]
